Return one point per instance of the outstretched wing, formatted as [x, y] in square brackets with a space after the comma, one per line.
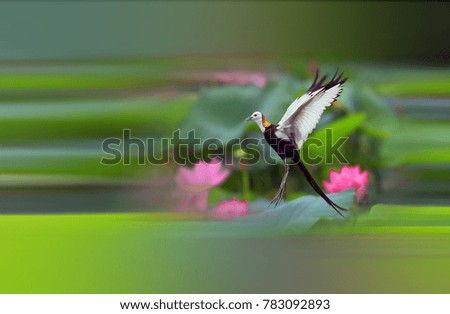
[304, 113]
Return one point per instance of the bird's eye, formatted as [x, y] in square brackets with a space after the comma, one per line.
[254, 115]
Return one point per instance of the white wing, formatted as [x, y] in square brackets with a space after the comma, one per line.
[304, 113]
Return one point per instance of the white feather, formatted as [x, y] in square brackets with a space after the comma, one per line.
[304, 113]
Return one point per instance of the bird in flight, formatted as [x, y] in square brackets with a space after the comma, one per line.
[300, 119]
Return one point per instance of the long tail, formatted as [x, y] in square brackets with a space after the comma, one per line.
[315, 186]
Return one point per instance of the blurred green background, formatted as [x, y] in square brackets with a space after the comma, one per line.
[178, 28]
[73, 74]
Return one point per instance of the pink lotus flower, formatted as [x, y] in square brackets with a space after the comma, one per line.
[349, 177]
[194, 184]
[227, 210]
[258, 79]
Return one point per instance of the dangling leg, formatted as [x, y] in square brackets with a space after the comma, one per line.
[277, 199]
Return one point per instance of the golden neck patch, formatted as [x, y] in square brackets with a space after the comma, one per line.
[265, 123]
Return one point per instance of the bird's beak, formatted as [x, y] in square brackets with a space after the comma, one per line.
[248, 119]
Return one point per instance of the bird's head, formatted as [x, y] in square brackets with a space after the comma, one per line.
[260, 120]
[256, 116]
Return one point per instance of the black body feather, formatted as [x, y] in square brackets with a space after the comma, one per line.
[287, 150]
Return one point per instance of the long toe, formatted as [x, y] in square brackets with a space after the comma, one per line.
[276, 199]
[280, 197]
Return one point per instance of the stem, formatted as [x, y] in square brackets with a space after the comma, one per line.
[245, 184]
